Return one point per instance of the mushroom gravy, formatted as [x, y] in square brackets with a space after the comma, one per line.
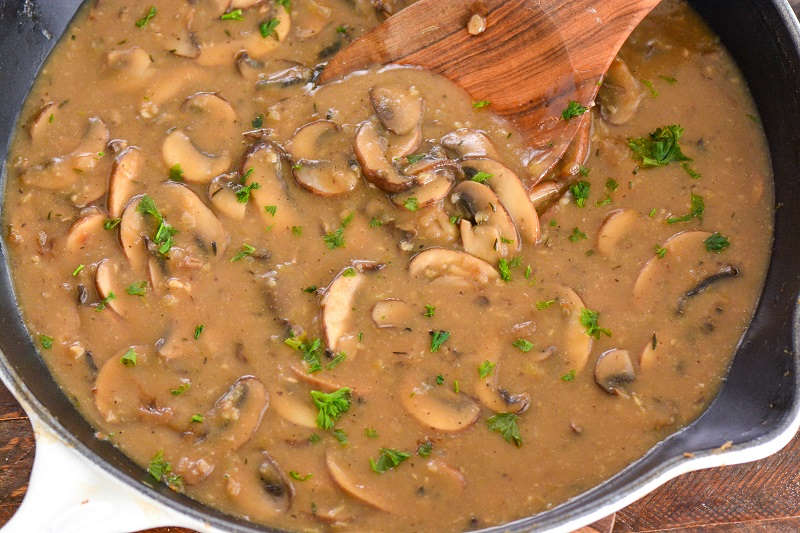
[350, 307]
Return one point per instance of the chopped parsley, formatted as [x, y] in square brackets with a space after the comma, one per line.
[267, 28]
[271, 209]
[577, 235]
[528, 272]
[111, 223]
[142, 22]
[161, 470]
[375, 222]
[198, 329]
[580, 192]
[338, 359]
[312, 352]
[129, 357]
[544, 304]
[243, 194]
[294, 475]
[717, 242]
[243, 252]
[506, 425]
[660, 251]
[523, 345]
[480, 104]
[438, 338]
[695, 211]
[569, 376]
[78, 270]
[387, 460]
[411, 203]
[589, 320]
[311, 289]
[692, 172]
[197, 418]
[505, 269]
[440, 379]
[164, 232]
[314, 438]
[573, 109]
[669, 79]
[176, 172]
[486, 368]
[103, 303]
[349, 272]
[258, 121]
[456, 387]
[430, 310]
[340, 436]
[455, 219]
[183, 387]
[371, 433]
[287, 4]
[414, 158]
[235, 14]
[659, 148]
[481, 177]
[611, 184]
[297, 230]
[424, 449]
[342, 29]
[331, 406]
[650, 87]
[334, 239]
[138, 288]
[46, 341]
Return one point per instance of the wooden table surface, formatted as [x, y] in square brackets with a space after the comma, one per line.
[763, 496]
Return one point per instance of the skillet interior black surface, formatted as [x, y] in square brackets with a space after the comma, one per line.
[759, 399]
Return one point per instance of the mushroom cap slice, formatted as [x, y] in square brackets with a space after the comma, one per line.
[543, 194]
[493, 234]
[131, 66]
[273, 74]
[399, 110]
[337, 304]
[357, 490]
[578, 150]
[509, 189]
[432, 187]
[499, 399]
[467, 142]
[237, 414]
[89, 224]
[267, 166]
[402, 145]
[223, 52]
[392, 313]
[370, 150]
[311, 19]
[108, 287]
[451, 265]
[37, 126]
[133, 234]
[197, 166]
[614, 369]
[620, 94]
[292, 403]
[121, 184]
[222, 193]
[438, 407]
[682, 265]
[257, 486]
[195, 222]
[616, 226]
[577, 344]
[321, 166]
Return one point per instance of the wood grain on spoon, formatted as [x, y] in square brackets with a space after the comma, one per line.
[534, 57]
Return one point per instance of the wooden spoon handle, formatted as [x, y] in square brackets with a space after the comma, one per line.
[533, 57]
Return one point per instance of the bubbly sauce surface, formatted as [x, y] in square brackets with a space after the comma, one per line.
[345, 307]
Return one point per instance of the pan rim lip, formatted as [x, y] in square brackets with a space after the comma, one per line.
[551, 519]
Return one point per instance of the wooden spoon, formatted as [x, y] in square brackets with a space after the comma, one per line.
[534, 57]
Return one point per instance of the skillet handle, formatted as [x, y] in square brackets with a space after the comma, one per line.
[68, 494]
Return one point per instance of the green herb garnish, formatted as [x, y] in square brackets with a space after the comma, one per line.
[438, 338]
[506, 425]
[589, 320]
[659, 148]
[523, 345]
[573, 109]
[331, 406]
[142, 22]
[387, 460]
[717, 242]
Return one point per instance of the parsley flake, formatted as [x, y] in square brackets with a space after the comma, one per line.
[294, 475]
[244, 251]
[129, 357]
[580, 192]
[46, 341]
[331, 406]
[411, 203]
[387, 460]
[236, 14]
[695, 211]
[716, 243]
[589, 320]
[523, 345]
[506, 425]
[138, 288]
[480, 104]
[142, 22]
[659, 148]
[438, 338]
[573, 109]
[486, 368]
[267, 28]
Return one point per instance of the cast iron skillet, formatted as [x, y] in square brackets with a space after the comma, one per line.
[758, 404]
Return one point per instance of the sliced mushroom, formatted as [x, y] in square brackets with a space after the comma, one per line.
[613, 370]
[317, 380]
[509, 189]
[196, 223]
[108, 285]
[165, 87]
[337, 304]
[432, 187]
[237, 414]
[130, 66]
[683, 264]
[543, 194]
[63, 171]
[620, 94]
[257, 486]
[499, 399]
[650, 354]
[211, 104]
[311, 18]
[357, 490]
[267, 170]
[437, 406]
[451, 266]
[616, 226]
[222, 191]
[133, 234]
[399, 110]
[197, 166]
[470, 143]
[725, 272]
[89, 225]
[392, 313]
[398, 146]
[370, 150]
[320, 157]
[122, 182]
[183, 43]
[577, 344]
[224, 51]
[292, 402]
[578, 150]
[37, 127]
[491, 234]
[273, 74]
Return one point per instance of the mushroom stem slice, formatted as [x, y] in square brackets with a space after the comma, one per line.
[398, 110]
[439, 407]
[577, 344]
[197, 166]
[89, 225]
[223, 193]
[257, 485]
[452, 265]
[124, 174]
[337, 304]
[613, 370]
[621, 93]
[544, 194]
[357, 490]
[263, 163]
[370, 150]
[106, 279]
[499, 399]
[493, 234]
[616, 226]
[392, 313]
